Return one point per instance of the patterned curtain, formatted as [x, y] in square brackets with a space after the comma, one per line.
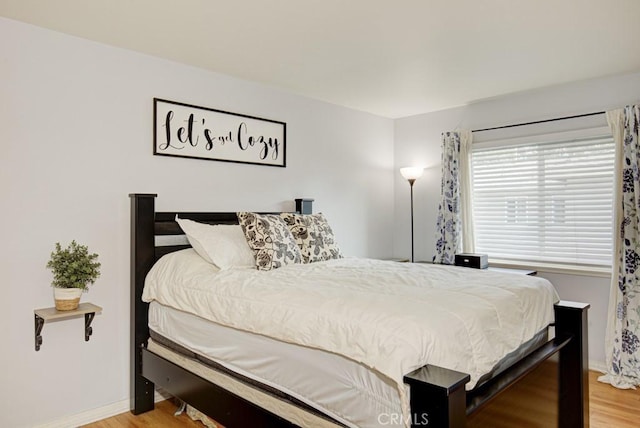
[623, 329]
[454, 192]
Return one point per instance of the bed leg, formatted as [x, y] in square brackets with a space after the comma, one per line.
[142, 391]
[438, 397]
[573, 396]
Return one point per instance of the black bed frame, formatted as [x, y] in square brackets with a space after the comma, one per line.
[437, 395]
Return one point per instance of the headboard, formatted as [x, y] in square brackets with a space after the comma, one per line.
[146, 226]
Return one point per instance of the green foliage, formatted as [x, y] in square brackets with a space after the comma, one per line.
[73, 267]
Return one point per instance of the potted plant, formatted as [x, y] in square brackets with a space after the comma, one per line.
[73, 270]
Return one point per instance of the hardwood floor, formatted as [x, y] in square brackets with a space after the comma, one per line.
[161, 416]
[609, 407]
[612, 407]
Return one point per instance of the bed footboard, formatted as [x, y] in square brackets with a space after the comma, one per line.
[438, 396]
[571, 323]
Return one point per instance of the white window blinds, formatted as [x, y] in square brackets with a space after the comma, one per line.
[545, 201]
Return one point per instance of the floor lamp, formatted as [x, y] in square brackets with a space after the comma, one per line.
[411, 174]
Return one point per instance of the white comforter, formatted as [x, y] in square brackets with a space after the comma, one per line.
[393, 317]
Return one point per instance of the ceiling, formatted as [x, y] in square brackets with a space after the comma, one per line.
[391, 58]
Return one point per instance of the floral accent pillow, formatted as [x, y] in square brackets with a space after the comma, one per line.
[270, 239]
[313, 236]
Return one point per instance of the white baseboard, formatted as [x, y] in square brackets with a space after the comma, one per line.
[598, 366]
[97, 414]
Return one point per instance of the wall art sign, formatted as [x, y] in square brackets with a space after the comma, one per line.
[190, 131]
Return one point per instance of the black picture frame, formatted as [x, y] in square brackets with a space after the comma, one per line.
[190, 131]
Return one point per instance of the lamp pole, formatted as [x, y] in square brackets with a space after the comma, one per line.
[411, 174]
[411, 181]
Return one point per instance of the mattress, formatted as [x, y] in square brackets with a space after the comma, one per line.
[341, 388]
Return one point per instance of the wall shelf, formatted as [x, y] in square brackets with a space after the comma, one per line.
[89, 310]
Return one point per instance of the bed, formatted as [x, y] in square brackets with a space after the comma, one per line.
[435, 396]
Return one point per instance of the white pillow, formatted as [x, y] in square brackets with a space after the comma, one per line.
[223, 245]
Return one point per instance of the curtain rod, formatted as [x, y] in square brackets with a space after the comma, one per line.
[540, 121]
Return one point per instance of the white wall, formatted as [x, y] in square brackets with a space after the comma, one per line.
[76, 135]
[417, 142]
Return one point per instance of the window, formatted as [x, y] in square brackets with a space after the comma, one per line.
[547, 200]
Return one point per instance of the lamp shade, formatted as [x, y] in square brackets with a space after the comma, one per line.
[412, 172]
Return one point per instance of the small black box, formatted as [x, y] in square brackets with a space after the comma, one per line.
[478, 261]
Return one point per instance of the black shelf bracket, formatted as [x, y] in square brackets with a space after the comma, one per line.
[88, 331]
[39, 323]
